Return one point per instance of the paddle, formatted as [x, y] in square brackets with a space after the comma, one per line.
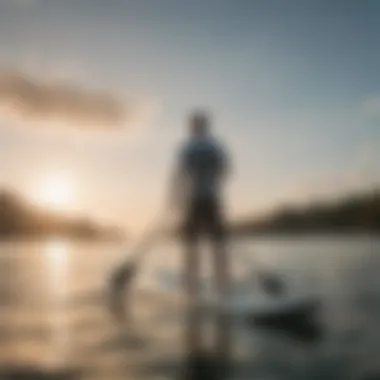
[123, 276]
[270, 283]
[121, 279]
[298, 323]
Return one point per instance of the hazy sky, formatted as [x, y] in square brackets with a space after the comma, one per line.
[293, 87]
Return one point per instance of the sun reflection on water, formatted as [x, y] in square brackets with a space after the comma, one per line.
[57, 253]
[57, 259]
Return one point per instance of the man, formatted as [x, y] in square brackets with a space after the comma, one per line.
[198, 191]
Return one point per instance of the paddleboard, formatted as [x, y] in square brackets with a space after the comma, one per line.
[244, 302]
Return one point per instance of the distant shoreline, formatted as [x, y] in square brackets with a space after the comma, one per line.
[21, 220]
[65, 239]
[299, 233]
[307, 235]
[239, 235]
[357, 214]
[352, 215]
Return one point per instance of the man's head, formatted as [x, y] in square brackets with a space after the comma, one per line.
[199, 124]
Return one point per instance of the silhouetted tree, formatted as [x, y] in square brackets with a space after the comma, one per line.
[20, 219]
[358, 212]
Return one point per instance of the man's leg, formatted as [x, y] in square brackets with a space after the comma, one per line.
[222, 279]
[191, 276]
[223, 322]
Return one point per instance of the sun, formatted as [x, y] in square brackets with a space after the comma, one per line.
[56, 192]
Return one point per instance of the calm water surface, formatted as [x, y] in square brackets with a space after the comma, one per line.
[53, 313]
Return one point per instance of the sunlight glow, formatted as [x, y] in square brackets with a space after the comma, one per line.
[56, 192]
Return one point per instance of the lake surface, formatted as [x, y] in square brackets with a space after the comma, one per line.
[54, 315]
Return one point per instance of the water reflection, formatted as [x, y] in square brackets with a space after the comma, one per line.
[57, 267]
[57, 252]
[54, 312]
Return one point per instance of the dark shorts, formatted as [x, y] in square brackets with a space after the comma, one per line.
[204, 217]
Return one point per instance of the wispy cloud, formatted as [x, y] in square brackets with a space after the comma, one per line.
[32, 99]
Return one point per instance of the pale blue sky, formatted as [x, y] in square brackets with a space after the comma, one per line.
[293, 87]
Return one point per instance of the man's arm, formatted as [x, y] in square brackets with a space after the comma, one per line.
[177, 184]
[225, 167]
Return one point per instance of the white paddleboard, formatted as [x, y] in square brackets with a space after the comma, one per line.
[260, 304]
[243, 303]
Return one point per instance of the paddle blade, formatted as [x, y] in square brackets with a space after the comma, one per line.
[119, 285]
[272, 284]
[122, 277]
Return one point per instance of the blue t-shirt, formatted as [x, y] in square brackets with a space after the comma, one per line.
[203, 164]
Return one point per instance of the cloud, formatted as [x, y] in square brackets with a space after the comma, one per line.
[31, 99]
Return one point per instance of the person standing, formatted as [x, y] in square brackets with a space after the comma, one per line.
[202, 169]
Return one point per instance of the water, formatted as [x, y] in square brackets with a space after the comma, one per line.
[53, 313]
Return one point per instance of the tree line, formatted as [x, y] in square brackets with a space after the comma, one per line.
[18, 218]
[349, 214]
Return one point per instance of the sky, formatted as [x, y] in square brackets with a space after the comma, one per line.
[97, 94]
